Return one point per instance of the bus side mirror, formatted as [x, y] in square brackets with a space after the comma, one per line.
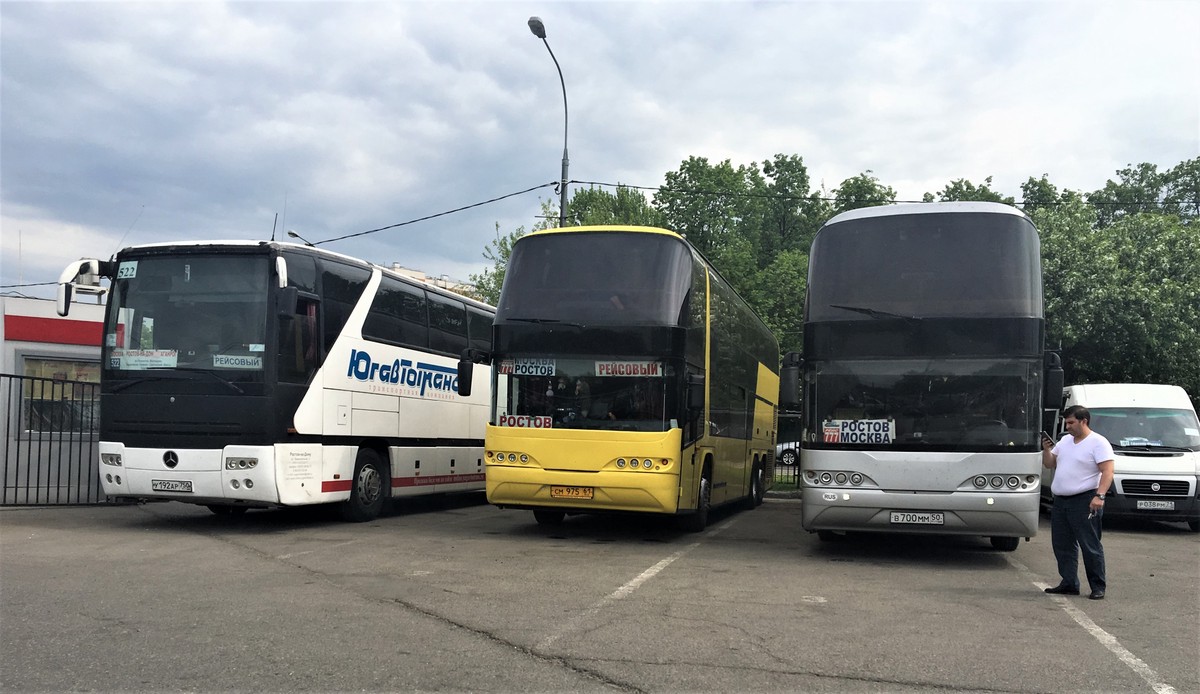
[289, 299]
[1052, 390]
[64, 298]
[789, 380]
[696, 391]
[466, 368]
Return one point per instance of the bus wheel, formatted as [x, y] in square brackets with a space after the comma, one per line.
[698, 521]
[226, 510]
[366, 489]
[755, 496]
[549, 517]
[1006, 544]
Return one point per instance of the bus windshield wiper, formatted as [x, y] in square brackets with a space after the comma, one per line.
[133, 382]
[872, 312]
[224, 381]
[545, 321]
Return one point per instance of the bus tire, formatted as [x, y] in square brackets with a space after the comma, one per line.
[697, 521]
[549, 517]
[1006, 544]
[368, 488]
[756, 492]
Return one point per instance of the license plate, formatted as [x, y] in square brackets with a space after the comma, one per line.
[571, 492]
[1159, 505]
[171, 486]
[908, 518]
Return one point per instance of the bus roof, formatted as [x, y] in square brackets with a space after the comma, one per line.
[250, 243]
[926, 208]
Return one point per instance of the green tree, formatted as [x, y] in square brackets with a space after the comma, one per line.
[963, 190]
[592, 206]
[1122, 301]
[1181, 190]
[779, 298]
[707, 202]
[1137, 189]
[863, 190]
[789, 211]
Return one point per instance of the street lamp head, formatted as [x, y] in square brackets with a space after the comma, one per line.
[536, 26]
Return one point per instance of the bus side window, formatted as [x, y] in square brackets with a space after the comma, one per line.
[447, 325]
[342, 286]
[298, 343]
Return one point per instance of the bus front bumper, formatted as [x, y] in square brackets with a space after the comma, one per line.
[1006, 514]
[628, 491]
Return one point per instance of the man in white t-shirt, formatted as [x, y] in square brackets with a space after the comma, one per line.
[1083, 473]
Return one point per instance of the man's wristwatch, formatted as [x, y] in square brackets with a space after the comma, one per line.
[1100, 497]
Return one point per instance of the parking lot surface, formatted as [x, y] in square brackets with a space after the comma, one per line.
[453, 594]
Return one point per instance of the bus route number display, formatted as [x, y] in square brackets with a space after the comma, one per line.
[859, 431]
[526, 367]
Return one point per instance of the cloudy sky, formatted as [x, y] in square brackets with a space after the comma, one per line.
[129, 123]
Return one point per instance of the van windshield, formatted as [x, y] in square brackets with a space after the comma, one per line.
[1137, 427]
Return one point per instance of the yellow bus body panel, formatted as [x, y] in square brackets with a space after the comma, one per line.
[583, 459]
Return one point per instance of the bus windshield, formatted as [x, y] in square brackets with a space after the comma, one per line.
[924, 403]
[187, 313]
[610, 278]
[626, 394]
[897, 266]
[1136, 427]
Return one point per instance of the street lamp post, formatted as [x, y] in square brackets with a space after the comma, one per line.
[539, 30]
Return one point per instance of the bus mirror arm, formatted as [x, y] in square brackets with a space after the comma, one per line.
[466, 368]
[82, 276]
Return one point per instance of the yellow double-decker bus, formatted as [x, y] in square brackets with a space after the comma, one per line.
[628, 376]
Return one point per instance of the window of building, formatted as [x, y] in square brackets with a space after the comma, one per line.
[60, 395]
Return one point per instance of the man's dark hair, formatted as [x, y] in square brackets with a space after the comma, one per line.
[1078, 412]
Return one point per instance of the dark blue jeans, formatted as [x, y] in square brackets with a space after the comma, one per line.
[1071, 531]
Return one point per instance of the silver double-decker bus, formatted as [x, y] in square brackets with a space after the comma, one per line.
[924, 373]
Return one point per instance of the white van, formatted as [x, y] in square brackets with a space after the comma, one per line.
[1155, 437]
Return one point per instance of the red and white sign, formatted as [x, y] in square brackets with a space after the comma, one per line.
[524, 420]
[628, 368]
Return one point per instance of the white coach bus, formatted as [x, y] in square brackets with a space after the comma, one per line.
[245, 374]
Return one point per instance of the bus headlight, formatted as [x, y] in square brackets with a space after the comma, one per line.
[620, 462]
[997, 481]
[826, 478]
[111, 459]
[647, 464]
[840, 477]
[856, 479]
[1014, 482]
[241, 463]
[980, 481]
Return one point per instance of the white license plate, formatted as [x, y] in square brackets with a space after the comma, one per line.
[171, 486]
[909, 518]
[1159, 505]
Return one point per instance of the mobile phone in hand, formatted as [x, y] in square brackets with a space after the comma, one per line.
[1047, 437]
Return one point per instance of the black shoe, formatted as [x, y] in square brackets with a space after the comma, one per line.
[1096, 595]
[1064, 589]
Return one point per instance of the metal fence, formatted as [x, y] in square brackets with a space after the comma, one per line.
[50, 441]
